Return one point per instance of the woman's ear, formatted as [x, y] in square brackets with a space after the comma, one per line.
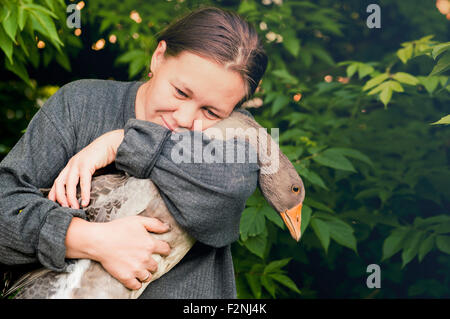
[158, 56]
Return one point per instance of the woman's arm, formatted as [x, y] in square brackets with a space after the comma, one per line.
[206, 199]
[34, 228]
[80, 168]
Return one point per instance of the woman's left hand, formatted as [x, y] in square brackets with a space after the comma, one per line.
[80, 168]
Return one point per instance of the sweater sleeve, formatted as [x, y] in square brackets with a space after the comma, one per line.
[33, 228]
[206, 195]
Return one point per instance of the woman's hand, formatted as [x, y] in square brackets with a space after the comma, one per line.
[123, 246]
[80, 168]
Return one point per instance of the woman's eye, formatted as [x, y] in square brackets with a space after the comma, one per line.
[211, 113]
[181, 92]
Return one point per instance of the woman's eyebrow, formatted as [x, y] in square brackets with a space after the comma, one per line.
[185, 88]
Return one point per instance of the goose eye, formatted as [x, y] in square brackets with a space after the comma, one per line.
[295, 189]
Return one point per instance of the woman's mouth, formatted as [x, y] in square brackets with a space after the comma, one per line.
[166, 125]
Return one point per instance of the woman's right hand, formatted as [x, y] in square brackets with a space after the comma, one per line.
[123, 246]
[80, 168]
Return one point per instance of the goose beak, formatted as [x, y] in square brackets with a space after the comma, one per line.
[293, 220]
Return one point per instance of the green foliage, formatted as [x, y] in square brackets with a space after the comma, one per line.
[23, 23]
[357, 131]
[418, 239]
[386, 83]
[444, 120]
[336, 135]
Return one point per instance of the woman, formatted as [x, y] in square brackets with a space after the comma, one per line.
[206, 64]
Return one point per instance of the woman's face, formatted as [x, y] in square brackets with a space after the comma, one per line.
[187, 91]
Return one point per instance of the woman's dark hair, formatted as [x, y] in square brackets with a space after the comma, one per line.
[220, 35]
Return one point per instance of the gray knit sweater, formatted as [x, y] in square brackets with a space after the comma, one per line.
[202, 197]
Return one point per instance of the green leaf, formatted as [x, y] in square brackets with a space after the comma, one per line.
[405, 54]
[375, 81]
[254, 200]
[280, 102]
[246, 7]
[19, 69]
[429, 82]
[270, 96]
[342, 233]
[306, 217]
[444, 80]
[440, 48]
[441, 228]
[442, 65]
[291, 42]
[21, 18]
[285, 76]
[443, 243]
[346, 63]
[310, 176]
[22, 44]
[320, 206]
[136, 66]
[322, 55]
[439, 219]
[444, 120]
[273, 216]
[394, 242]
[351, 69]
[10, 24]
[364, 70]
[286, 281]
[63, 60]
[105, 24]
[322, 231]
[426, 246]
[254, 283]
[292, 134]
[333, 158]
[405, 78]
[411, 246]
[275, 266]
[269, 284]
[252, 222]
[379, 88]
[395, 86]
[368, 193]
[350, 152]
[4, 12]
[385, 95]
[33, 8]
[257, 244]
[306, 57]
[45, 25]
[50, 4]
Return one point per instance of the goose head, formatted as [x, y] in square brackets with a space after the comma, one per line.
[285, 192]
[278, 180]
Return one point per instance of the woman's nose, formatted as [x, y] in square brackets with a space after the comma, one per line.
[185, 115]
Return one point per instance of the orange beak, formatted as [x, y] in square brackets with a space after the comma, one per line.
[293, 220]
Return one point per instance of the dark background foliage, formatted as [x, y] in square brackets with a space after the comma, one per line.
[354, 106]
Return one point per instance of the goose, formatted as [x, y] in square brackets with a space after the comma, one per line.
[119, 195]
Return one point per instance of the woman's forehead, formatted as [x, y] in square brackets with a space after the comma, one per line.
[206, 80]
